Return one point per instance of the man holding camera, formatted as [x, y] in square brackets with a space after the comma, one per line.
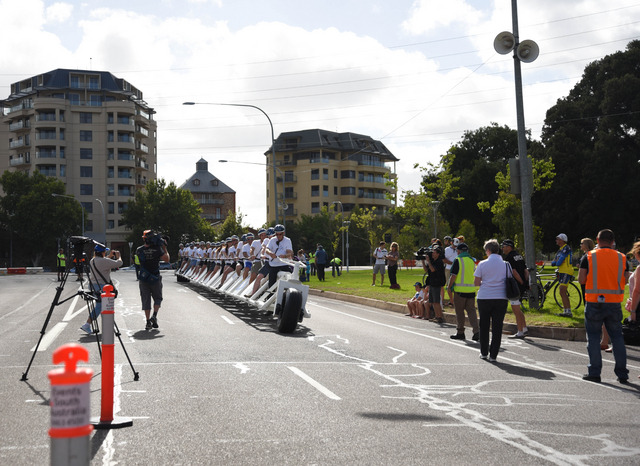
[434, 266]
[150, 254]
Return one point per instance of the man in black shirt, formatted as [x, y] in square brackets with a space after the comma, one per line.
[521, 274]
[434, 266]
[150, 254]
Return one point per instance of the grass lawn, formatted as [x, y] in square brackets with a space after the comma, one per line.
[358, 283]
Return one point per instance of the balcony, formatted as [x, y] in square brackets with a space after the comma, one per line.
[142, 147]
[16, 144]
[46, 154]
[21, 106]
[142, 164]
[19, 125]
[17, 161]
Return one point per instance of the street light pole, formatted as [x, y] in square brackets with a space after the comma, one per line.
[81, 206]
[341, 230]
[265, 165]
[273, 149]
[347, 223]
[435, 205]
[104, 222]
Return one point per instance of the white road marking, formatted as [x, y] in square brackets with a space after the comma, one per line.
[50, 336]
[70, 314]
[317, 385]
[243, 367]
[227, 320]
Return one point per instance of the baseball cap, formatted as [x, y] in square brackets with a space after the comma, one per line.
[563, 237]
[463, 247]
[418, 284]
[508, 242]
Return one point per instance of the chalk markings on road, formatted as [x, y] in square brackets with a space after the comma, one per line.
[227, 320]
[243, 367]
[50, 336]
[315, 384]
[402, 353]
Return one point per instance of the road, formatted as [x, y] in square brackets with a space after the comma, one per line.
[354, 385]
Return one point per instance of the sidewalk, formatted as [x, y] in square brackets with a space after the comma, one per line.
[552, 333]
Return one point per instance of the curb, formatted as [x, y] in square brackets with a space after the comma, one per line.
[551, 333]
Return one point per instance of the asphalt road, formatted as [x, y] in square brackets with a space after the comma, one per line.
[354, 385]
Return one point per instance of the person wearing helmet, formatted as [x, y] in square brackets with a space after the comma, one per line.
[100, 275]
[255, 253]
[150, 283]
[246, 254]
[279, 247]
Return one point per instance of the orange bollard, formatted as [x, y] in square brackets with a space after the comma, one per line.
[107, 420]
[70, 407]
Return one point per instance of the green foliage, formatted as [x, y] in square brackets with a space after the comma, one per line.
[36, 218]
[232, 225]
[167, 209]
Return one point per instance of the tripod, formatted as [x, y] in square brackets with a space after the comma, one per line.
[90, 299]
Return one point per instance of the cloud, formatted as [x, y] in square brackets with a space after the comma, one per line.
[59, 12]
[427, 15]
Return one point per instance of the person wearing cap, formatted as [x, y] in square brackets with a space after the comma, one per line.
[565, 272]
[150, 283]
[521, 274]
[415, 304]
[450, 254]
[380, 255]
[604, 272]
[461, 286]
[278, 248]
[434, 266]
[100, 275]
[321, 261]
[246, 255]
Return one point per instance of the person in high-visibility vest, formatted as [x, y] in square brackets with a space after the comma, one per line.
[463, 290]
[62, 264]
[136, 264]
[604, 272]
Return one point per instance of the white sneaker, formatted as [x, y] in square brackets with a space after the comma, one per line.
[86, 327]
[492, 359]
[305, 313]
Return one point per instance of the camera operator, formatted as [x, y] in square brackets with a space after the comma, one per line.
[434, 266]
[150, 254]
[100, 275]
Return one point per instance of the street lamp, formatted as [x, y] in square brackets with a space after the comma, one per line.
[435, 205]
[341, 230]
[104, 222]
[273, 149]
[284, 205]
[81, 206]
[525, 51]
[347, 223]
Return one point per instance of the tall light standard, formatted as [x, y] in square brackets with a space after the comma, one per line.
[284, 205]
[104, 221]
[347, 223]
[273, 149]
[341, 229]
[81, 206]
[435, 205]
[525, 51]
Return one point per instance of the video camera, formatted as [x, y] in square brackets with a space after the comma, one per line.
[422, 253]
[156, 239]
[78, 244]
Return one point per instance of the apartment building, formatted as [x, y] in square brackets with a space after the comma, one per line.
[216, 199]
[91, 130]
[317, 168]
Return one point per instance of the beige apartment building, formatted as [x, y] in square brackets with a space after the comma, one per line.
[89, 129]
[317, 168]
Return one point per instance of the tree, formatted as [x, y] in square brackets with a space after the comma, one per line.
[232, 225]
[592, 137]
[34, 219]
[166, 209]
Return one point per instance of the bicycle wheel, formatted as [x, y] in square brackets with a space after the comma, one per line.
[527, 296]
[575, 296]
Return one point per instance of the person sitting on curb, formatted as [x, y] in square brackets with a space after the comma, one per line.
[415, 304]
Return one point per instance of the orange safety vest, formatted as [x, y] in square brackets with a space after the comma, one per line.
[606, 276]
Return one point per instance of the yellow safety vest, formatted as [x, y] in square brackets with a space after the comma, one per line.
[464, 278]
[61, 260]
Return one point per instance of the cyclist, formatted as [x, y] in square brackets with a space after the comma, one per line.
[565, 272]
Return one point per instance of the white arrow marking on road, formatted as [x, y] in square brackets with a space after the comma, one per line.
[317, 385]
[70, 314]
[243, 368]
[50, 336]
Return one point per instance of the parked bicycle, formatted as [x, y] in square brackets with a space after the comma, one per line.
[551, 282]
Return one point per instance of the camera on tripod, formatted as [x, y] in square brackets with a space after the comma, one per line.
[422, 253]
[156, 239]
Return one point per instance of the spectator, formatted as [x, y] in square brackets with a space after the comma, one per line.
[604, 271]
[586, 245]
[492, 299]
[415, 304]
[434, 266]
[521, 274]
[462, 288]
[565, 272]
[321, 260]
[380, 256]
[450, 254]
[392, 266]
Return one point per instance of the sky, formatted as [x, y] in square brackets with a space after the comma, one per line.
[414, 74]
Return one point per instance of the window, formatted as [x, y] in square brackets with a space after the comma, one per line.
[335, 174]
[315, 174]
[325, 191]
[89, 225]
[61, 115]
[111, 224]
[86, 135]
[86, 172]
[110, 118]
[63, 170]
[86, 117]
[125, 173]
[325, 173]
[110, 154]
[86, 153]
[110, 207]
[196, 182]
[348, 191]
[109, 136]
[315, 207]
[110, 172]
[75, 82]
[335, 190]
[95, 101]
[122, 206]
[47, 170]
[93, 82]
[86, 189]
[110, 190]
[74, 99]
[348, 174]
[315, 191]
[62, 152]
[88, 207]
